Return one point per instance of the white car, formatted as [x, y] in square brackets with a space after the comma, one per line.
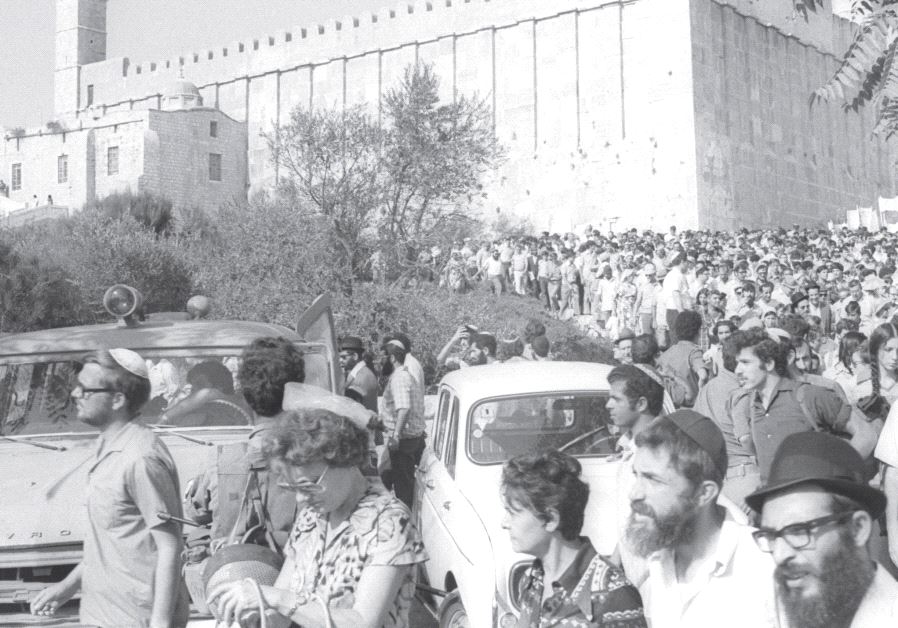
[486, 415]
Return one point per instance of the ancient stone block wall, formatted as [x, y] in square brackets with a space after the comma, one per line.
[177, 146]
[646, 113]
[595, 124]
[764, 156]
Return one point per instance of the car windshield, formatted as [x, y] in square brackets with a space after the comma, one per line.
[578, 423]
[188, 388]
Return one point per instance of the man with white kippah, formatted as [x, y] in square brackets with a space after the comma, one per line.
[131, 571]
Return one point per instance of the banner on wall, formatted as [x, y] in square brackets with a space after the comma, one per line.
[852, 219]
[868, 218]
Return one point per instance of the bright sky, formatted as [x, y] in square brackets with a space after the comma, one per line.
[141, 30]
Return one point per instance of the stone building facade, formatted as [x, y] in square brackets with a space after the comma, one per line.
[195, 156]
[646, 113]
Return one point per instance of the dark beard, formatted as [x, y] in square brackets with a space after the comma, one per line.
[386, 369]
[666, 532]
[846, 576]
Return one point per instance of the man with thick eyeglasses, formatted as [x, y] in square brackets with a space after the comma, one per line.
[131, 571]
[817, 516]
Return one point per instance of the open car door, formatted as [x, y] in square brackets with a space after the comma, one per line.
[316, 326]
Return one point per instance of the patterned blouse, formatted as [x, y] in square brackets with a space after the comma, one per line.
[592, 593]
[378, 532]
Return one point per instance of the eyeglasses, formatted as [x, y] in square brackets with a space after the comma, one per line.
[307, 486]
[798, 535]
[80, 392]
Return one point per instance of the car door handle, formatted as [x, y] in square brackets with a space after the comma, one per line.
[447, 505]
[430, 484]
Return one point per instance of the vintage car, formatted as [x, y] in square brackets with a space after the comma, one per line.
[485, 415]
[44, 449]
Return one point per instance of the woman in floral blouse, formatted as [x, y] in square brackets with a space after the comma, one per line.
[569, 584]
[353, 546]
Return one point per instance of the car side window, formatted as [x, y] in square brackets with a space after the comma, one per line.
[452, 438]
[439, 429]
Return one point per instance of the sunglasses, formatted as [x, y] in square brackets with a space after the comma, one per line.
[305, 485]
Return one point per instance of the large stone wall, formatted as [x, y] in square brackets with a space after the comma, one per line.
[644, 112]
[580, 100]
[764, 156]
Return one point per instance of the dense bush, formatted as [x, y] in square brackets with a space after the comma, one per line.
[97, 252]
[34, 295]
[266, 262]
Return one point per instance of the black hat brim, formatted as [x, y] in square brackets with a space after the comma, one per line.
[872, 499]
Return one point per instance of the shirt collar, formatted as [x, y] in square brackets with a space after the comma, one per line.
[357, 368]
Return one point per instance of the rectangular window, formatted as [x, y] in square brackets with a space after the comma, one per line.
[112, 160]
[214, 167]
[213, 129]
[62, 169]
[16, 177]
[90, 95]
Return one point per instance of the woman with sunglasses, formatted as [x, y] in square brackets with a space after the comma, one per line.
[352, 550]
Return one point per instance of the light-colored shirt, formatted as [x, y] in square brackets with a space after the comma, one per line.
[733, 587]
[675, 290]
[887, 447]
[879, 608]
[414, 367]
[132, 478]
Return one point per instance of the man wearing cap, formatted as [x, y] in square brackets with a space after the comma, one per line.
[130, 574]
[624, 345]
[817, 515]
[359, 377]
[404, 420]
[703, 568]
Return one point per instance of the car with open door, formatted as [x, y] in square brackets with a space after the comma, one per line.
[44, 449]
[485, 415]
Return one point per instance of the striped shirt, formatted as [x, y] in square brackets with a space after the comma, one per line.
[403, 392]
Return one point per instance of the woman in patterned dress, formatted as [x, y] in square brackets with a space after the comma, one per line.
[568, 584]
[353, 546]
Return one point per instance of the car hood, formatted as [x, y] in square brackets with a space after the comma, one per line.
[45, 491]
[602, 509]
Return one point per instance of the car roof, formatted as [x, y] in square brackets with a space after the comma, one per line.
[527, 377]
[162, 333]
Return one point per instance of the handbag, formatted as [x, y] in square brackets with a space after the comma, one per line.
[258, 565]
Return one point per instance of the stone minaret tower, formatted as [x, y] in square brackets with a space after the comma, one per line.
[80, 39]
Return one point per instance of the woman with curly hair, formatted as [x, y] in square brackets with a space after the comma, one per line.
[351, 556]
[569, 583]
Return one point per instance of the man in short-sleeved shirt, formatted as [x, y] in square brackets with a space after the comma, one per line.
[404, 420]
[130, 573]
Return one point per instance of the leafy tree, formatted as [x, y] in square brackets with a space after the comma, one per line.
[394, 187]
[436, 157]
[868, 73]
[333, 163]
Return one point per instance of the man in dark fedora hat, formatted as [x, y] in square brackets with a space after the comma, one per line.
[360, 382]
[817, 516]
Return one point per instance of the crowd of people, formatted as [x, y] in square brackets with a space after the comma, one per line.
[754, 402]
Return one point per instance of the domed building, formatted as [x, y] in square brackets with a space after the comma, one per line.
[181, 94]
[191, 154]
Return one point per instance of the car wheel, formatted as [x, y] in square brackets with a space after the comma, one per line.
[452, 613]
